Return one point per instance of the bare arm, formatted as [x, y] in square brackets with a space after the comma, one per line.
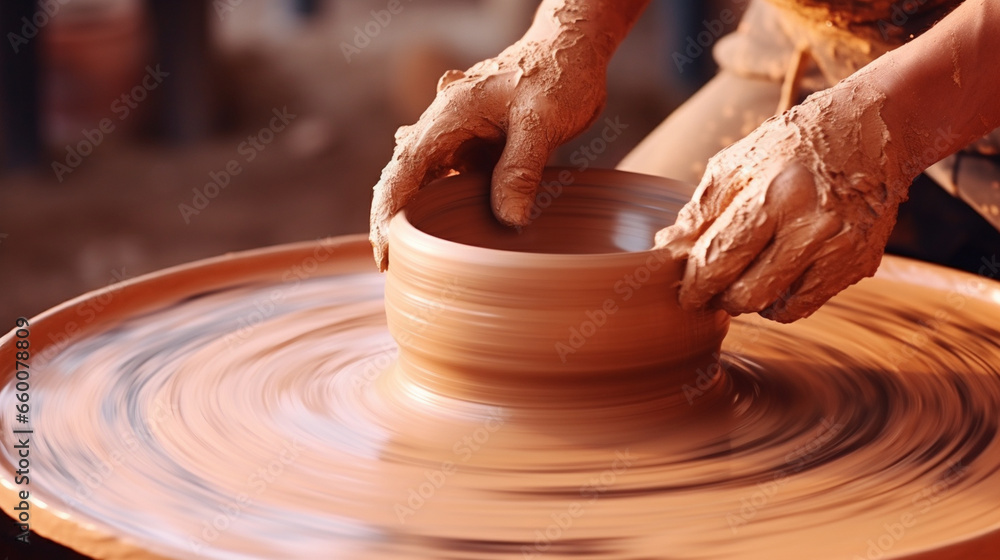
[943, 88]
[800, 209]
[604, 23]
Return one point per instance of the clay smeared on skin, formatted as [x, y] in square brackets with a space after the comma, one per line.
[808, 198]
[537, 94]
[498, 100]
[754, 242]
[295, 435]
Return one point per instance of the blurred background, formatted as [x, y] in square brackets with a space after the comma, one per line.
[120, 118]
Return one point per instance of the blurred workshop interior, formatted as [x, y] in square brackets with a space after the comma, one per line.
[141, 134]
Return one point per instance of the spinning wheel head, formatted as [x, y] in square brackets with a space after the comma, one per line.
[574, 308]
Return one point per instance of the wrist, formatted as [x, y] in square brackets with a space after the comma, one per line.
[883, 134]
[934, 104]
[573, 37]
[601, 26]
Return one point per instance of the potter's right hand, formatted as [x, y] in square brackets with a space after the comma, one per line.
[537, 94]
[795, 212]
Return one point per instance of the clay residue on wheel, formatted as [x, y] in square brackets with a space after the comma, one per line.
[225, 426]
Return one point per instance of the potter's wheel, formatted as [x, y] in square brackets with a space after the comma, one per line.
[241, 408]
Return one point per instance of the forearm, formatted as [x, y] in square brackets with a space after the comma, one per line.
[603, 23]
[942, 90]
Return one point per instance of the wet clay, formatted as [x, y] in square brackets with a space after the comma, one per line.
[845, 35]
[577, 305]
[806, 200]
[508, 113]
[254, 406]
[802, 207]
[849, 13]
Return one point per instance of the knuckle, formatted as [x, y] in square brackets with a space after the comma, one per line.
[521, 180]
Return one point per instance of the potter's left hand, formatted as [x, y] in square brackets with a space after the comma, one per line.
[794, 213]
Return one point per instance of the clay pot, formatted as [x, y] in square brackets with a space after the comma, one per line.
[94, 53]
[820, 450]
[576, 305]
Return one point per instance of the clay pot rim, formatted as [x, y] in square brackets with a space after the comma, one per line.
[68, 528]
[403, 231]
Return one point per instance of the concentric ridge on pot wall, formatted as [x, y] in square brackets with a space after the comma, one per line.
[574, 310]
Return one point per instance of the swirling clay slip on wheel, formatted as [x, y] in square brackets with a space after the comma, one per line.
[517, 394]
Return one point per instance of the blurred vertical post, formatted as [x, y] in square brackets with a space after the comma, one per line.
[307, 8]
[683, 19]
[20, 91]
[183, 50]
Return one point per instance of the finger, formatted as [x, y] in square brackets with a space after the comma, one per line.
[823, 279]
[713, 195]
[449, 77]
[424, 151]
[519, 171]
[690, 221]
[802, 228]
[717, 190]
[780, 264]
[726, 248]
[813, 291]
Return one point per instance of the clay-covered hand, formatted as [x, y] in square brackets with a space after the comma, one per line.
[531, 98]
[794, 213]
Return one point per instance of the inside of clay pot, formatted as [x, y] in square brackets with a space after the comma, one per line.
[593, 213]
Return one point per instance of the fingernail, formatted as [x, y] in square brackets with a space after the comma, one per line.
[379, 254]
[514, 211]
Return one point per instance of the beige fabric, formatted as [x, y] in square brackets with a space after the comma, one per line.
[753, 61]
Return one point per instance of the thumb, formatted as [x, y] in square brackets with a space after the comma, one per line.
[693, 219]
[519, 171]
